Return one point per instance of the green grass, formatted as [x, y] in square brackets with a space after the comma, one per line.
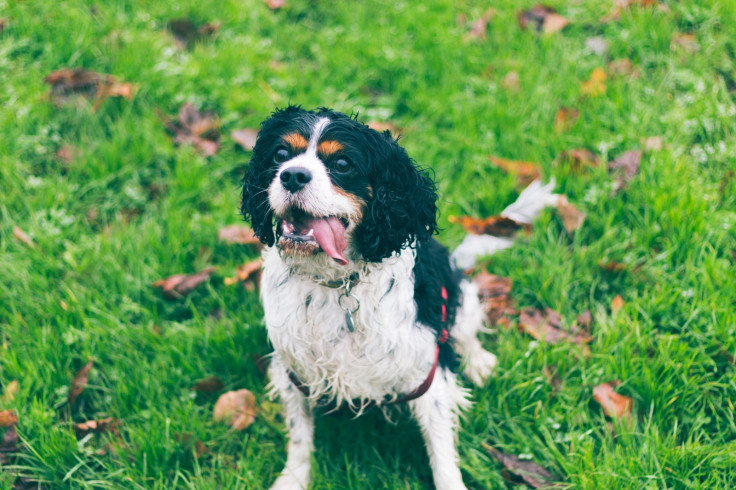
[102, 237]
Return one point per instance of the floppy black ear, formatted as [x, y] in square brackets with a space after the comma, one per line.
[254, 204]
[403, 207]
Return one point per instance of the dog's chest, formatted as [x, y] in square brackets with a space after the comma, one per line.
[387, 353]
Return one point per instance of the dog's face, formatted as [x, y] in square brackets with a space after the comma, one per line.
[321, 182]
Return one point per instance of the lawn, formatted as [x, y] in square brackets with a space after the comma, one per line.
[108, 204]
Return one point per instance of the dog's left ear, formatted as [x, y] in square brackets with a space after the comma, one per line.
[403, 208]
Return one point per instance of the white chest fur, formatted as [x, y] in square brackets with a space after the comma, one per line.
[388, 353]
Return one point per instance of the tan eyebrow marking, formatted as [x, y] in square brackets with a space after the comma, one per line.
[327, 148]
[296, 141]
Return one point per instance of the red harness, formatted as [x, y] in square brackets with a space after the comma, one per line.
[422, 389]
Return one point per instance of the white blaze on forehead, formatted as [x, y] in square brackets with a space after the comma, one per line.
[317, 131]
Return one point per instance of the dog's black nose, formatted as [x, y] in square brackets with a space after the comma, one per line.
[295, 178]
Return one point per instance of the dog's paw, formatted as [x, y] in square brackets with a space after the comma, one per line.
[479, 365]
[288, 482]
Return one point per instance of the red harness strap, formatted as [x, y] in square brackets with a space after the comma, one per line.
[422, 389]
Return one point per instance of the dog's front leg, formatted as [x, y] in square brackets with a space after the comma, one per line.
[437, 412]
[300, 424]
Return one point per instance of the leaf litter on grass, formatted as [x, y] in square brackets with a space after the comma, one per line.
[200, 129]
[530, 472]
[68, 85]
[180, 285]
[525, 172]
[239, 234]
[542, 18]
[614, 405]
[236, 408]
[624, 168]
[494, 294]
[79, 383]
[547, 326]
[187, 33]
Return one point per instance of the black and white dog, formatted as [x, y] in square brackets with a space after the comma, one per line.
[362, 305]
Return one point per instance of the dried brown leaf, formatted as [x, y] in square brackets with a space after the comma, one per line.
[22, 237]
[614, 405]
[542, 18]
[10, 440]
[572, 217]
[617, 304]
[494, 225]
[3, 24]
[8, 418]
[238, 234]
[200, 129]
[97, 426]
[565, 118]
[10, 391]
[621, 6]
[596, 84]
[68, 84]
[585, 319]
[533, 475]
[79, 383]
[493, 293]
[525, 172]
[611, 266]
[68, 153]
[250, 271]
[579, 159]
[547, 326]
[625, 167]
[187, 33]
[236, 408]
[246, 138]
[511, 82]
[209, 384]
[553, 379]
[479, 26]
[180, 285]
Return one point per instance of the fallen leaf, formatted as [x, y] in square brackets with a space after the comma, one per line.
[597, 44]
[68, 84]
[622, 67]
[238, 234]
[525, 172]
[596, 85]
[585, 319]
[275, 4]
[193, 127]
[8, 418]
[246, 138]
[209, 384]
[553, 379]
[478, 27]
[68, 153]
[187, 33]
[625, 167]
[493, 293]
[180, 285]
[494, 225]
[382, 126]
[79, 382]
[21, 235]
[565, 118]
[653, 143]
[249, 270]
[511, 82]
[572, 217]
[236, 408]
[10, 391]
[542, 18]
[687, 42]
[200, 449]
[3, 24]
[547, 326]
[97, 426]
[579, 159]
[533, 475]
[9, 445]
[617, 304]
[614, 405]
[622, 5]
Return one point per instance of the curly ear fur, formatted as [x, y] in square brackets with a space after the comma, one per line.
[403, 208]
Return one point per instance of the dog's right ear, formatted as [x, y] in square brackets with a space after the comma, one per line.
[254, 204]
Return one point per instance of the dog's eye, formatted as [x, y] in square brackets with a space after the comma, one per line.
[343, 166]
[281, 155]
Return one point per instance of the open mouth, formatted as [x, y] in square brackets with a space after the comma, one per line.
[304, 230]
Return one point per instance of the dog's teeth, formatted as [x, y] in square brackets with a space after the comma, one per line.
[310, 232]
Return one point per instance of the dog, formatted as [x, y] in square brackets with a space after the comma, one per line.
[362, 305]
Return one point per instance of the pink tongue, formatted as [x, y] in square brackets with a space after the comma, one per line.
[330, 234]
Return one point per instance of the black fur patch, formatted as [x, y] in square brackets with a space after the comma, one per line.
[432, 271]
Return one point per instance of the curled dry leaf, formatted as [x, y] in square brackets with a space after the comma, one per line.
[547, 326]
[68, 84]
[625, 167]
[10, 391]
[22, 237]
[187, 33]
[493, 292]
[596, 84]
[68, 153]
[614, 405]
[525, 172]
[236, 408]
[250, 271]
[180, 285]
[511, 82]
[542, 18]
[579, 159]
[246, 138]
[238, 234]
[572, 217]
[193, 127]
[617, 304]
[209, 384]
[8, 418]
[79, 383]
[97, 427]
[533, 475]
[494, 225]
[478, 27]
[9, 444]
[565, 118]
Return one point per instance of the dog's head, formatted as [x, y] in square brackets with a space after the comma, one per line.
[320, 181]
